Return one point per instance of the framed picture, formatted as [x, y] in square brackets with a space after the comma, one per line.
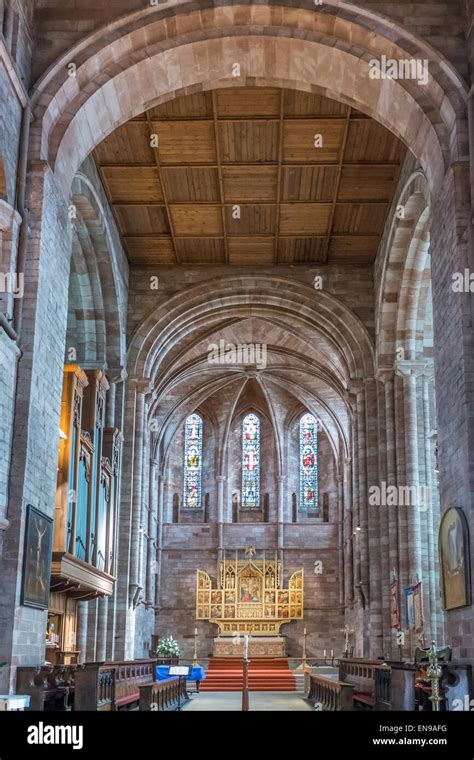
[453, 543]
[37, 559]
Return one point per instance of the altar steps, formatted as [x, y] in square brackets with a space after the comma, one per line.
[265, 674]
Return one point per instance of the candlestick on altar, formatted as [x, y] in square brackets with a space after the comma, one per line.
[195, 656]
[245, 683]
[303, 658]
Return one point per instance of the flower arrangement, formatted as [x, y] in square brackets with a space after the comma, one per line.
[168, 647]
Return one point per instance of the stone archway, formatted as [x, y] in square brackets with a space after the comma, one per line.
[150, 60]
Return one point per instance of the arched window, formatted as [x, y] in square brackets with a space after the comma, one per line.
[192, 461]
[308, 462]
[251, 461]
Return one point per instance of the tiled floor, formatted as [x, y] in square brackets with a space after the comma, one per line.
[232, 700]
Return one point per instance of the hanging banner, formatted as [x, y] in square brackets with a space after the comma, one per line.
[409, 606]
[394, 611]
[418, 618]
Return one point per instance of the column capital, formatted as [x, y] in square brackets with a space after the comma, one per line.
[385, 375]
[142, 384]
[410, 368]
[117, 374]
[355, 386]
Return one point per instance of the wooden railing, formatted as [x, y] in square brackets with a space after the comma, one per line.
[112, 686]
[327, 694]
[161, 696]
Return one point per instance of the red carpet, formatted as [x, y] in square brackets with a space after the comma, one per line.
[265, 674]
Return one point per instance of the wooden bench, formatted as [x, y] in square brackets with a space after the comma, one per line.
[102, 686]
[162, 696]
[359, 673]
[362, 674]
[328, 694]
[50, 687]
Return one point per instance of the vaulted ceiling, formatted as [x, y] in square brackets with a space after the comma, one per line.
[250, 176]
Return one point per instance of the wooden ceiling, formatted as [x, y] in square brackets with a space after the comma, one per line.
[240, 177]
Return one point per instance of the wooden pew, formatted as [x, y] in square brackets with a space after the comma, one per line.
[50, 687]
[329, 694]
[110, 686]
[371, 681]
[161, 696]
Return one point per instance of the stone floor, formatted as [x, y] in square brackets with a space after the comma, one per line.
[232, 700]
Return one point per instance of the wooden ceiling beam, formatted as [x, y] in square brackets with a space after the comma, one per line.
[163, 189]
[337, 185]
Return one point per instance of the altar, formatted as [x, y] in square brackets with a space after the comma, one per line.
[258, 646]
[250, 599]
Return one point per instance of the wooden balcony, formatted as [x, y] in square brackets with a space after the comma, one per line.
[79, 578]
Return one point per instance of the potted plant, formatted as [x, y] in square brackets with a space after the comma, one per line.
[167, 652]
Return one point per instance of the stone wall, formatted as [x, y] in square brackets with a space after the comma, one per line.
[188, 548]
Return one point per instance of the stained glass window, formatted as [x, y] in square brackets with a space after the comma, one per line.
[308, 462]
[251, 461]
[192, 461]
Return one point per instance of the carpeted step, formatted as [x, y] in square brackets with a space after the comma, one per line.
[265, 674]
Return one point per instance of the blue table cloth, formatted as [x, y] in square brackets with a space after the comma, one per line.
[162, 673]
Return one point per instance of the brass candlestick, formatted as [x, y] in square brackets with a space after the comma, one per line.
[195, 659]
[303, 659]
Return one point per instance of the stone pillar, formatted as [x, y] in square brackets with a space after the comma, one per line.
[128, 551]
[101, 641]
[110, 405]
[81, 635]
[348, 548]
[431, 613]
[34, 450]
[340, 531]
[159, 541]
[152, 535]
[281, 518]
[402, 520]
[374, 520]
[408, 371]
[220, 516]
[389, 518]
[142, 388]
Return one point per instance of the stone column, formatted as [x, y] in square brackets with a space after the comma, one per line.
[348, 547]
[431, 614]
[142, 388]
[152, 535]
[101, 642]
[159, 540]
[409, 370]
[389, 521]
[360, 449]
[220, 516]
[281, 518]
[81, 633]
[34, 449]
[374, 522]
[110, 405]
[340, 536]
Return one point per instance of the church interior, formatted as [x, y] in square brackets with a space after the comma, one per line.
[236, 355]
